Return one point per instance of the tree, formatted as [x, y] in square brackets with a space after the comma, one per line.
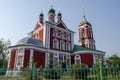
[4, 51]
[114, 60]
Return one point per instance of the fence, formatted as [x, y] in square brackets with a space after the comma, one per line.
[101, 73]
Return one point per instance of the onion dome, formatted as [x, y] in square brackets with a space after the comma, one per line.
[51, 10]
[30, 41]
[59, 14]
[51, 15]
[41, 18]
[84, 21]
[41, 14]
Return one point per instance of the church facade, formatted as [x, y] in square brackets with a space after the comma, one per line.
[53, 39]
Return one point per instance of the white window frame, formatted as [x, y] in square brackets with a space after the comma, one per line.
[61, 57]
[77, 59]
[68, 60]
[68, 46]
[55, 33]
[62, 45]
[55, 58]
[20, 57]
[55, 45]
[61, 35]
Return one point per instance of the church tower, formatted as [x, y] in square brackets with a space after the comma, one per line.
[86, 38]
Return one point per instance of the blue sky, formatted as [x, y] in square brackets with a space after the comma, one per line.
[18, 17]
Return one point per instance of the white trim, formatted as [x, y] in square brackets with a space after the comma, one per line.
[29, 47]
[44, 35]
[9, 59]
[49, 37]
[79, 58]
[58, 28]
[72, 41]
[20, 54]
[90, 52]
[94, 60]
[31, 57]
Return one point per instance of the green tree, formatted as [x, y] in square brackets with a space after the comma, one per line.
[114, 60]
[4, 52]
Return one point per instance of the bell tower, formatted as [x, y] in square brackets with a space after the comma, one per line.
[86, 38]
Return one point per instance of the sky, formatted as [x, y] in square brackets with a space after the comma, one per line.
[19, 17]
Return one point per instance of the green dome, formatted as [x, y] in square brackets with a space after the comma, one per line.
[85, 22]
[52, 11]
[41, 14]
[59, 14]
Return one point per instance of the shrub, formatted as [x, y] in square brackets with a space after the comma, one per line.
[79, 71]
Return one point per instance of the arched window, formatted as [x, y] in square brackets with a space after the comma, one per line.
[68, 60]
[68, 36]
[55, 43]
[82, 33]
[55, 33]
[68, 46]
[61, 35]
[77, 59]
[19, 59]
[62, 45]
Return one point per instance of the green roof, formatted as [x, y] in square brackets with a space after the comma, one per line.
[59, 14]
[52, 11]
[85, 22]
[80, 48]
[41, 14]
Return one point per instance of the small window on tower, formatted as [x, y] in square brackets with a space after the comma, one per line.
[82, 33]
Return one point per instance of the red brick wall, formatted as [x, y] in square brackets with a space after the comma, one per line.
[87, 59]
[40, 35]
[12, 59]
[39, 58]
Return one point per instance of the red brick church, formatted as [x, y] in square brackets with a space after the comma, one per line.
[52, 38]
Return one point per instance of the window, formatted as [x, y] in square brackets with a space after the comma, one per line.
[20, 56]
[68, 37]
[55, 33]
[68, 46]
[55, 43]
[55, 60]
[62, 45]
[68, 60]
[77, 59]
[82, 33]
[61, 35]
[19, 61]
[61, 58]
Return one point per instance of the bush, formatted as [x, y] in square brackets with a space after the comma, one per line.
[79, 71]
[51, 73]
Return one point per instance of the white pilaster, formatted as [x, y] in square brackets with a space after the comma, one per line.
[31, 58]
